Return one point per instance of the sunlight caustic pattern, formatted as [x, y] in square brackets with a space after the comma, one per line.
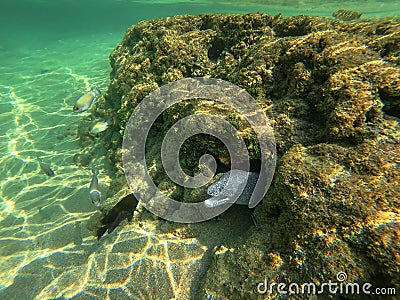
[43, 220]
[38, 214]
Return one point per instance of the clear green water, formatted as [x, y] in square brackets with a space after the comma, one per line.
[50, 53]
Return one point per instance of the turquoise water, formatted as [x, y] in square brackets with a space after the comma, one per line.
[51, 52]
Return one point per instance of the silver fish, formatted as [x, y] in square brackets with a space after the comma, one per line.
[94, 192]
[45, 168]
[86, 100]
[100, 127]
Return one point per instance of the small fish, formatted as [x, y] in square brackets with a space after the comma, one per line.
[94, 192]
[45, 168]
[86, 100]
[122, 210]
[100, 127]
[45, 71]
[346, 15]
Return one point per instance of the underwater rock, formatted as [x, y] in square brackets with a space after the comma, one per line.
[81, 159]
[331, 90]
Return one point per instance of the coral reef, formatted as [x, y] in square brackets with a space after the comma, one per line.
[332, 92]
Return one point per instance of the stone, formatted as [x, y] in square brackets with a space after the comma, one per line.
[331, 90]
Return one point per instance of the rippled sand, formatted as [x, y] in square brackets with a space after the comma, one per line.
[39, 214]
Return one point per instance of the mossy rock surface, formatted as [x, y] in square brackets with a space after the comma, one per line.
[331, 90]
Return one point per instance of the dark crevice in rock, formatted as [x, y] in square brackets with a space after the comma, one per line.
[207, 22]
[216, 49]
[391, 103]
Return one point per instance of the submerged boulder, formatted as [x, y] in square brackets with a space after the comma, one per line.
[331, 90]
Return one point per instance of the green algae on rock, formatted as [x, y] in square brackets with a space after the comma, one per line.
[331, 90]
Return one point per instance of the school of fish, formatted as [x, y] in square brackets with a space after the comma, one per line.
[82, 104]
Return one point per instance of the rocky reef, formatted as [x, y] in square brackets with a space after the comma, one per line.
[331, 90]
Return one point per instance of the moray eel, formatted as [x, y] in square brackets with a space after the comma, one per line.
[222, 195]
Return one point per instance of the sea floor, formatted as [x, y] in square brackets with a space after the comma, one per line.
[40, 214]
[46, 249]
